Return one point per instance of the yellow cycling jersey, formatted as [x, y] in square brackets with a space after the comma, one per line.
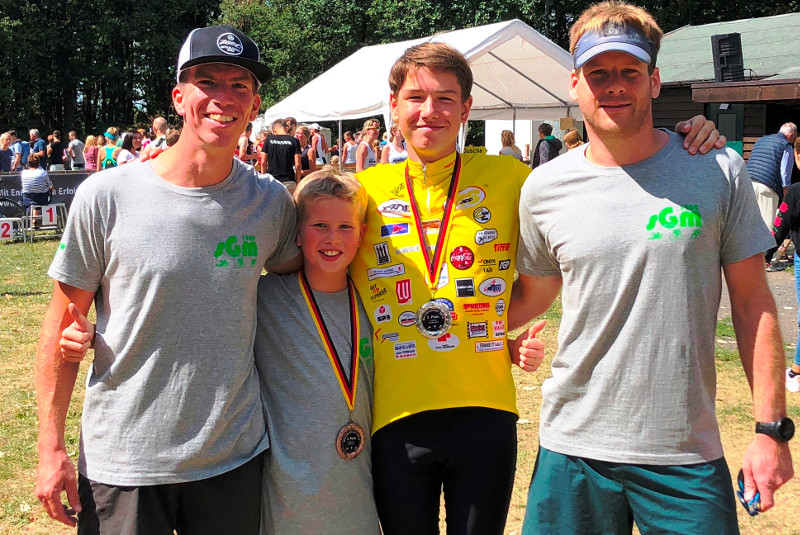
[470, 365]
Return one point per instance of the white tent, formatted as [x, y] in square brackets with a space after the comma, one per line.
[518, 73]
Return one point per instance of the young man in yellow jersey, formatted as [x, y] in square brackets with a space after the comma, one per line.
[435, 270]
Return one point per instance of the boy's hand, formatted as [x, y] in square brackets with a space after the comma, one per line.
[527, 351]
[77, 338]
[701, 134]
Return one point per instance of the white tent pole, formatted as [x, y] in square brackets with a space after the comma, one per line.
[514, 121]
[341, 154]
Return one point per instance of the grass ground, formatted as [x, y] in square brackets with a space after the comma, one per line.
[24, 294]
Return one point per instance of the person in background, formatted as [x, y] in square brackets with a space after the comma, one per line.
[291, 126]
[509, 148]
[131, 141]
[547, 148]
[308, 163]
[349, 149]
[21, 150]
[395, 150]
[319, 145]
[57, 152]
[75, 151]
[244, 150]
[159, 142]
[6, 154]
[572, 138]
[37, 187]
[787, 225]
[365, 154]
[106, 157]
[282, 156]
[38, 147]
[90, 151]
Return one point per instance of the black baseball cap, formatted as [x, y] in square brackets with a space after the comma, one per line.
[221, 44]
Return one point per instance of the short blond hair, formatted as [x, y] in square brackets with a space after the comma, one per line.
[329, 183]
[436, 57]
[620, 13]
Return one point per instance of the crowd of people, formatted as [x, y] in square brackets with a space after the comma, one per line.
[370, 371]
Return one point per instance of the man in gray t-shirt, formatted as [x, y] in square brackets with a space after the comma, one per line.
[638, 232]
[170, 251]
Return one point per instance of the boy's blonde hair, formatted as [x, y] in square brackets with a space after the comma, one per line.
[436, 57]
[327, 183]
[619, 13]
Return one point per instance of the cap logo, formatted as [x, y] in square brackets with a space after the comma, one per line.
[613, 29]
[230, 44]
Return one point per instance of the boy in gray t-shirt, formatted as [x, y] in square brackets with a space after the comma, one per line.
[313, 352]
[638, 232]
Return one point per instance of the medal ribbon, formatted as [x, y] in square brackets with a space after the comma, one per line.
[348, 387]
[433, 266]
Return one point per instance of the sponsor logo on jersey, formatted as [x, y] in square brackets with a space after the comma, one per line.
[485, 347]
[407, 319]
[390, 337]
[382, 253]
[476, 307]
[389, 271]
[478, 330]
[498, 329]
[447, 302]
[399, 190]
[485, 236]
[500, 307]
[448, 342]
[394, 208]
[403, 289]
[492, 287]
[469, 197]
[378, 292]
[487, 262]
[504, 264]
[465, 287]
[407, 250]
[383, 314]
[501, 247]
[482, 215]
[405, 350]
[395, 229]
[444, 276]
[462, 257]
[431, 226]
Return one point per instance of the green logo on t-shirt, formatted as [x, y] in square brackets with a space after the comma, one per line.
[365, 350]
[231, 249]
[687, 222]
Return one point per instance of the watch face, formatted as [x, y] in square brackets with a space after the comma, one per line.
[786, 429]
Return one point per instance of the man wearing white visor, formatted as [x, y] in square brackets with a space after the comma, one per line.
[628, 431]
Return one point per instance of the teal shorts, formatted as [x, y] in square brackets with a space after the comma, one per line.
[572, 495]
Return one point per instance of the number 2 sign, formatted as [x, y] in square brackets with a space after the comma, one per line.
[6, 229]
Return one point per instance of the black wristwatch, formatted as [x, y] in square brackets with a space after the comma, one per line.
[782, 430]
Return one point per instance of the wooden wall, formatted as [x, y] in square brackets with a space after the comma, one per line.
[674, 104]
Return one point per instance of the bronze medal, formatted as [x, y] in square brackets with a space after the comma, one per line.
[350, 441]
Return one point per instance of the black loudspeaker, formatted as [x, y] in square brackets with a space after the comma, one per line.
[728, 61]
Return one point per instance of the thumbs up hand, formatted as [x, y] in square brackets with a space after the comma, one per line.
[77, 338]
[527, 351]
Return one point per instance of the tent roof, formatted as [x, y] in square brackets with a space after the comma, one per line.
[514, 66]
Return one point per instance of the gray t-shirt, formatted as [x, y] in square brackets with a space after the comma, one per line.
[77, 147]
[640, 250]
[308, 488]
[172, 394]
